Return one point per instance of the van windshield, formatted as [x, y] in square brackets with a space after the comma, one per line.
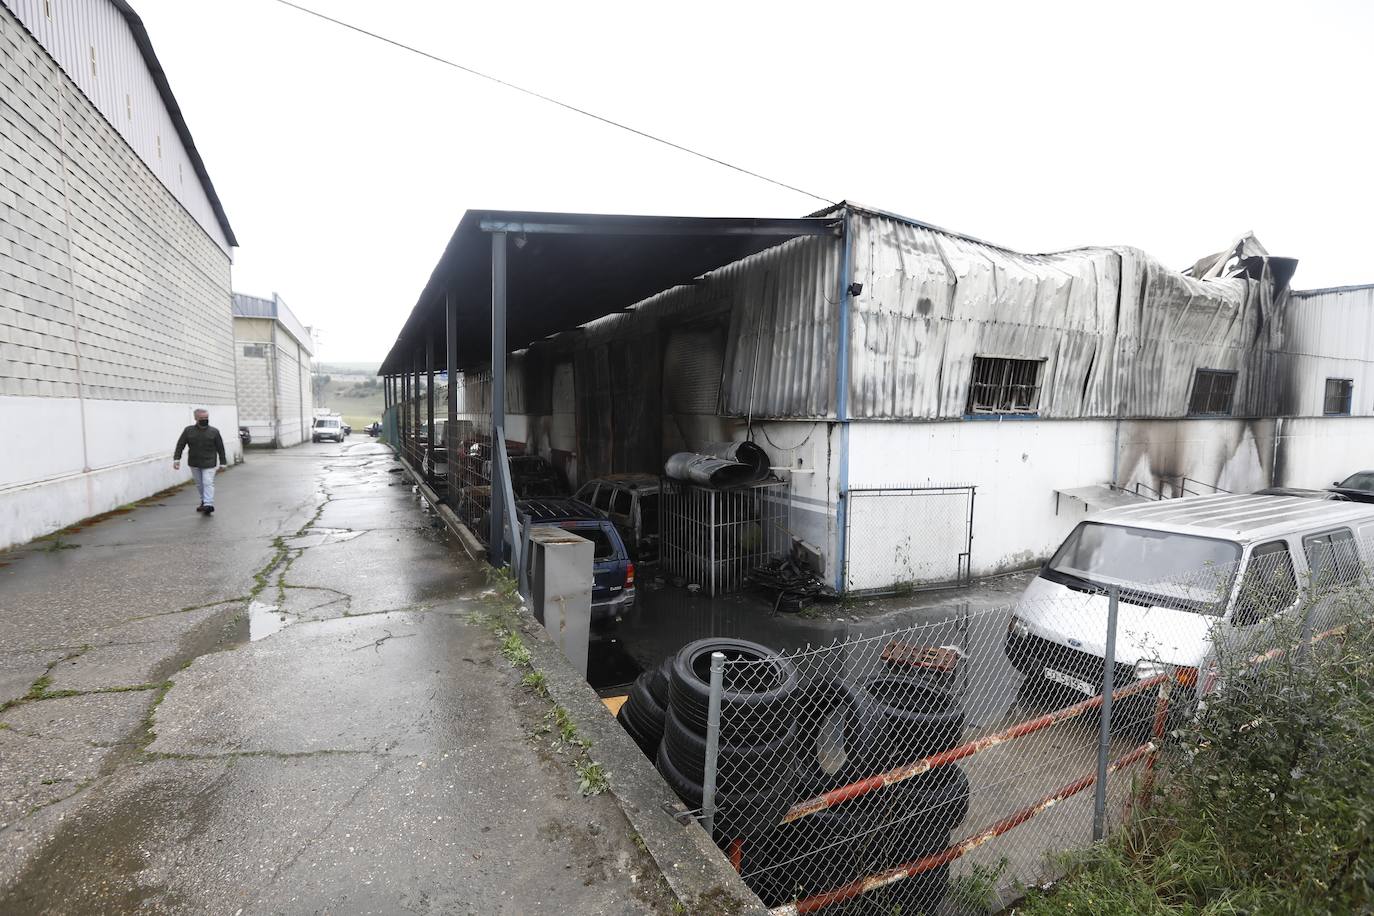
[1163, 568]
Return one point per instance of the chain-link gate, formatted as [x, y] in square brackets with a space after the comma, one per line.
[900, 538]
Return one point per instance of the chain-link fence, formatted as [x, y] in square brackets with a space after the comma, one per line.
[947, 766]
[903, 538]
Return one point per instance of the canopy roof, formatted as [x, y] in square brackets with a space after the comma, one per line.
[566, 269]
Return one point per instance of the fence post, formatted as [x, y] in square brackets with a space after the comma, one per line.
[708, 782]
[1104, 738]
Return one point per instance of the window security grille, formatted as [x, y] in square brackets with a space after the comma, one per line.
[1338, 394]
[1004, 386]
[1214, 393]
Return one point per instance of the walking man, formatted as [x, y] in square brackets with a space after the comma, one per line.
[204, 453]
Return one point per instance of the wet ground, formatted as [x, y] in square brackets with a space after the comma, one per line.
[283, 708]
[974, 619]
[1004, 780]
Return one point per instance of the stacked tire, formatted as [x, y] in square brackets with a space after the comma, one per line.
[646, 708]
[755, 768]
[845, 734]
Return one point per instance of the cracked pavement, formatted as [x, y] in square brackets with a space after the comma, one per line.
[283, 708]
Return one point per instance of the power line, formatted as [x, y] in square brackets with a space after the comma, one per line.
[552, 101]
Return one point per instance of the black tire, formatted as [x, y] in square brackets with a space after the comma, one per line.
[658, 681]
[750, 766]
[923, 811]
[751, 712]
[738, 814]
[647, 706]
[643, 717]
[917, 719]
[821, 764]
[645, 738]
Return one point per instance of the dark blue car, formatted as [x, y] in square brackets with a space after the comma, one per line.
[613, 588]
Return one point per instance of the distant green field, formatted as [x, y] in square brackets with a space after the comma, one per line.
[357, 403]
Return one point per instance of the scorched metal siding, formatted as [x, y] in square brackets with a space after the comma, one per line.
[1120, 335]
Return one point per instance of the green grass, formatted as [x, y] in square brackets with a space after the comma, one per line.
[359, 406]
[1264, 806]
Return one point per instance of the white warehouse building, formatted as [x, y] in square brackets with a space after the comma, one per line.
[114, 269]
[272, 352]
[934, 407]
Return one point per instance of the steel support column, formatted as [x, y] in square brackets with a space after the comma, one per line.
[416, 361]
[451, 439]
[403, 420]
[499, 474]
[428, 466]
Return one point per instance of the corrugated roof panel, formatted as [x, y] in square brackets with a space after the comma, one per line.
[103, 47]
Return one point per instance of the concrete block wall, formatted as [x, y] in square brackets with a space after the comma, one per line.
[114, 307]
[254, 372]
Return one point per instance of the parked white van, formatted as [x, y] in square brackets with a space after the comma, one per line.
[1193, 575]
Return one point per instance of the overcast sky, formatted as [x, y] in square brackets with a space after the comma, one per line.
[345, 164]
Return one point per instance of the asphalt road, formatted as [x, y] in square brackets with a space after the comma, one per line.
[284, 708]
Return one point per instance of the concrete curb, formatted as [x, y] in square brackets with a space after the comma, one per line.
[700, 876]
[698, 872]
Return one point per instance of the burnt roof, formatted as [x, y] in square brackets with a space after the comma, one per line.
[566, 269]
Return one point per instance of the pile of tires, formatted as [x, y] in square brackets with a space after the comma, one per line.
[645, 710]
[756, 763]
[781, 743]
[847, 733]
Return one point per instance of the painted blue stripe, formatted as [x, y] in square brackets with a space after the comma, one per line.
[842, 401]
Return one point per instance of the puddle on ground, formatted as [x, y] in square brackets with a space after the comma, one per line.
[316, 537]
[265, 619]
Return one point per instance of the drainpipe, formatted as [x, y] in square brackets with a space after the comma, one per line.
[842, 399]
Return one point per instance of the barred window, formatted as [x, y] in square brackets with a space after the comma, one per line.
[1338, 392]
[1214, 393]
[257, 350]
[1001, 385]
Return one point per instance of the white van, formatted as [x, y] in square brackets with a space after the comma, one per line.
[1181, 566]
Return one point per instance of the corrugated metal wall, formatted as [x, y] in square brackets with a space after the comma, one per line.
[784, 330]
[93, 45]
[1328, 334]
[1120, 334]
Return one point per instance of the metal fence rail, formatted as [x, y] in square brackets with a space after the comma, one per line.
[904, 538]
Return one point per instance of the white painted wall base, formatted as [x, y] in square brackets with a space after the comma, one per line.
[1017, 465]
[129, 444]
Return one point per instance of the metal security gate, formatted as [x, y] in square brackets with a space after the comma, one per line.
[906, 538]
[714, 538]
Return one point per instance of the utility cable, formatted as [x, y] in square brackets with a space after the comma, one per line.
[552, 101]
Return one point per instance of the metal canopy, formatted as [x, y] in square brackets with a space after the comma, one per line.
[566, 269]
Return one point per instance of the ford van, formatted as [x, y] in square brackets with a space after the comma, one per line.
[1193, 575]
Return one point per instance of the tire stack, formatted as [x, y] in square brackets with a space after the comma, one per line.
[755, 771]
[646, 709]
[845, 734]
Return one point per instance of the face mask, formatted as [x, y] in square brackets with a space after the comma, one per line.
[204, 422]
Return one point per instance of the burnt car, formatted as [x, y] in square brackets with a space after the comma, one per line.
[631, 502]
[532, 476]
[1358, 487]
